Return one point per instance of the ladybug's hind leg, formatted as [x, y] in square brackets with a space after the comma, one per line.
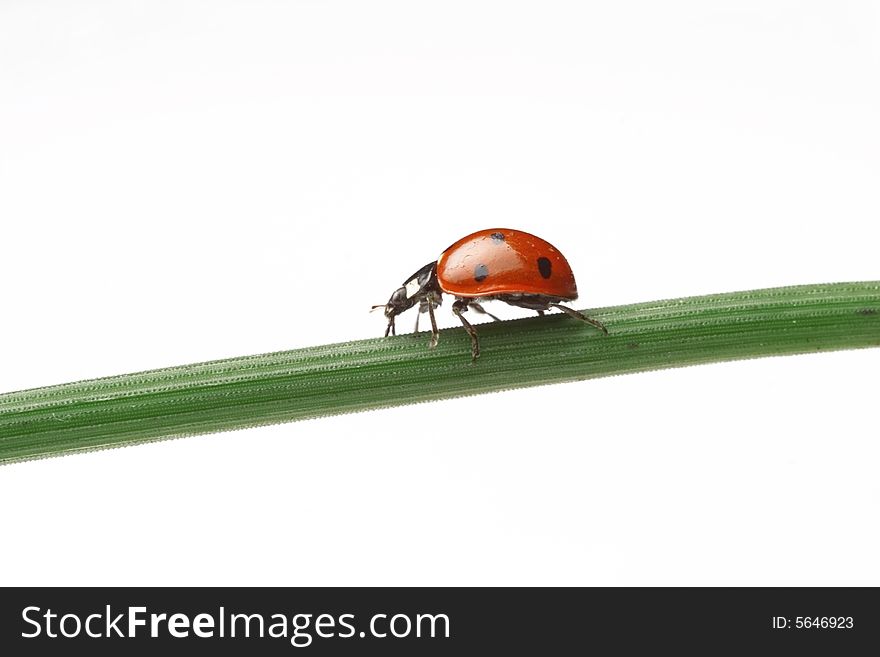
[577, 315]
[476, 307]
[460, 306]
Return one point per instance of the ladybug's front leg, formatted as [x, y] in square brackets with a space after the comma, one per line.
[427, 306]
[460, 306]
[435, 334]
[390, 327]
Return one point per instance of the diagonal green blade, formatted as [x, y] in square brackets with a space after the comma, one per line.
[367, 374]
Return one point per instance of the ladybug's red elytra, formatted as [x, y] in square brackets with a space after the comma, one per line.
[494, 264]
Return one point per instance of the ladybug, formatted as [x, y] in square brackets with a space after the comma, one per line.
[494, 264]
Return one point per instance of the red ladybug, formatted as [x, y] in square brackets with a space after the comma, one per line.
[493, 264]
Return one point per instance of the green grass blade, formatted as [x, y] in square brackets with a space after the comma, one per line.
[354, 376]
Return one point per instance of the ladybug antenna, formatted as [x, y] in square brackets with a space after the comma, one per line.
[376, 307]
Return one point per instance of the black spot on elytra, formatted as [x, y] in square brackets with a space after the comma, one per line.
[480, 273]
[498, 237]
[545, 267]
[867, 311]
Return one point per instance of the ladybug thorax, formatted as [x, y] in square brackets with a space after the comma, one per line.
[418, 287]
[501, 261]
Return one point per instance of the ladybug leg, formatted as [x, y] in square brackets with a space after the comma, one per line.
[460, 306]
[540, 313]
[390, 327]
[435, 334]
[479, 308]
[574, 313]
[428, 307]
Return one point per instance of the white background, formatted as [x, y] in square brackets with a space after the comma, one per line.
[186, 181]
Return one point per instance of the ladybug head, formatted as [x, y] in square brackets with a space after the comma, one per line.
[416, 289]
